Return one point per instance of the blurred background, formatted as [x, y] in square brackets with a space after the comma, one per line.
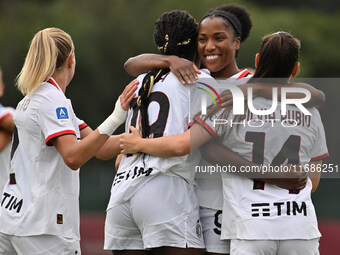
[107, 32]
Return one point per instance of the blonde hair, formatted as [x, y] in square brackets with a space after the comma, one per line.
[49, 49]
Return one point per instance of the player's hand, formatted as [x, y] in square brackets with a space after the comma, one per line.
[129, 143]
[294, 179]
[185, 71]
[128, 94]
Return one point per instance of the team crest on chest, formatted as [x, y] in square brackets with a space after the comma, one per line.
[62, 115]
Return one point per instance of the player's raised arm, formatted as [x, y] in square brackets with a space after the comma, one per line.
[266, 90]
[186, 71]
[216, 153]
[75, 154]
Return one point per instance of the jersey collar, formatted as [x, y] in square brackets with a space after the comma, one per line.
[53, 82]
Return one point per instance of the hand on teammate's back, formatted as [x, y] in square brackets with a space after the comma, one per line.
[128, 94]
[186, 71]
[293, 179]
[129, 142]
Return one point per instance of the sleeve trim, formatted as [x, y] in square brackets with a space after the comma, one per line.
[82, 126]
[5, 115]
[205, 126]
[55, 135]
[326, 155]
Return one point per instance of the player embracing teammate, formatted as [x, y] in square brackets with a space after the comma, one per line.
[270, 66]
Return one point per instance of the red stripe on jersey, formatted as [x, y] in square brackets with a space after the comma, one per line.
[244, 74]
[190, 124]
[52, 82]
[326, 155]
[82, 126]
[55, 135]
[4, 116]
[205, 126]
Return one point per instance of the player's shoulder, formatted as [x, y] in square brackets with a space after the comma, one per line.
[205, 73]
[47, 90]
[47, 96]
[314, 113]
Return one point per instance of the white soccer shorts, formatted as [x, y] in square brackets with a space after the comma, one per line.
[38, 245]
[278, 247]
[164, 212]
[211, 224]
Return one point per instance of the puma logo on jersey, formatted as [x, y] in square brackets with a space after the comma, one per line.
[279, 208]
[11, 202]
[62, 115]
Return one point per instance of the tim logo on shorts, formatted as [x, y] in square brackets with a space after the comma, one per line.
[62, 115]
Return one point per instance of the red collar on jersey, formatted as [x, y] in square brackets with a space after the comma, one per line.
[244, 74]
[50, 80]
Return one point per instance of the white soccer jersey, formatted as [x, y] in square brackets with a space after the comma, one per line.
[168, 114]
[262, 211]
[42, 194]
[4, 154]
[209, 186]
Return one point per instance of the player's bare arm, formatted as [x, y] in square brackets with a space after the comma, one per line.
[186, 71]
[110, 148]
[166, 146]
[315, 175]
[5, 139]
[216, 153]
[75, 154]
[266, 90]
[7, 124]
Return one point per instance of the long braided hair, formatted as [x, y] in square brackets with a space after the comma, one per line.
[175, 34]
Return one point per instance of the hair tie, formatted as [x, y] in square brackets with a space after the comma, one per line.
[165, 45]
[184, 42]
[139, 101]
[152, 79]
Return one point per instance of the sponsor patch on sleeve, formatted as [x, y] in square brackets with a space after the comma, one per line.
[62, 115]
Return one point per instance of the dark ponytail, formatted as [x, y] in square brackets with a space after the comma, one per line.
[279, 53]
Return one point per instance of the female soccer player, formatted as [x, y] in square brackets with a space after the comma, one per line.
[6, 130]
[39, 211]
[220, 33]
[153, 204]
[263, 218]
